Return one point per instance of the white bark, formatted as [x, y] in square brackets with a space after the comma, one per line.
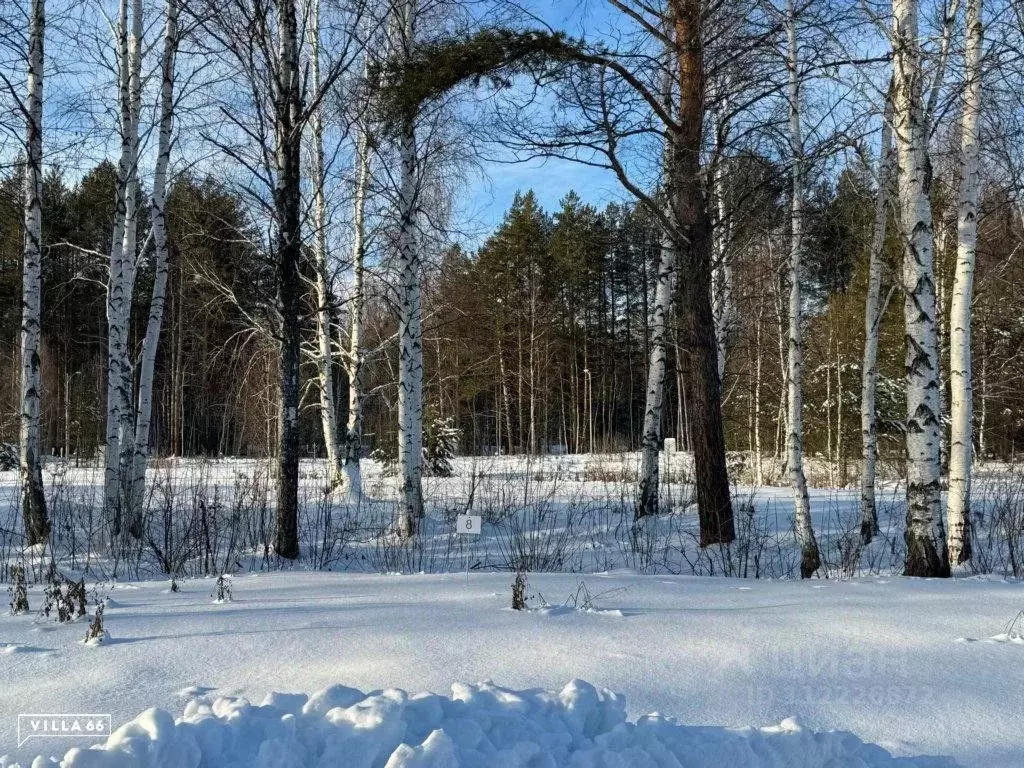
[781, 326]
[872, 327]
[914, 180]
[121, 279]
[840, 462]
[325, 357]
[664, 291]
[356, 354]
[410, 330]
[126, 428]
[723, 284]
[810, 559]
[961, 447]
[949, 12]
[154, 325]
[647, 503]
[758, 351]
[33, 500]
[983, 380]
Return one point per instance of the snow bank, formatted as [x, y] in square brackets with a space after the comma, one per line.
[481, 726]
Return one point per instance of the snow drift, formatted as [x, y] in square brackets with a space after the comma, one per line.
[483, 726]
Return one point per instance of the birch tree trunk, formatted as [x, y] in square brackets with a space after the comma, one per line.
[914, 182]
[943, 229]
[872, 328]
[724, 302]
[356, 355]
[129, 251]
[810, 559]
[121, 277]
[647, 501]
[410, 331]
[983, 376]
[158, 221]
[288, 251]
[961, 449]
[33, 499]
[324, 337]
[758, 351]
[664, 290]
[782, 332]
[116, 342]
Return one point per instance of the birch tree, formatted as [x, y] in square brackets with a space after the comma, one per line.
[690, 222]
[355, 359]
[961, 455]
[921, 363]
[410, 320]
[873, 311]
[33, 500]
[161, 261]
[324, 296]
[650, 445]
[724, 302]
[121, 276]
[810, 559]
[262, 129]
[287, 104]
[664, 292]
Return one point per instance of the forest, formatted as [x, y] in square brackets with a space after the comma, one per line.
[810, 250]
[356, 348]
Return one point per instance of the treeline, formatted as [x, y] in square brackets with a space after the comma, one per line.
[761, 204]
[536, 342]
[214, 381]
[539, 340]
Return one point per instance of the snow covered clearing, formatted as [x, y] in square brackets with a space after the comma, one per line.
[630, 610]
[551, 513]
[876, 657]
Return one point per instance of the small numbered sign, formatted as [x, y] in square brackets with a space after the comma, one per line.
[468, 524]
[670, 445]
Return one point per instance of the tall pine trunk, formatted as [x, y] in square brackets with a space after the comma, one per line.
[810, 559]
[961, 449]
[33, 499]
[692, 218]
[872, 328]
[924, 544]
[288, 252]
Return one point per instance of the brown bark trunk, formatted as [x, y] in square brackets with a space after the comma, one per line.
[288, 248]
[690, 202]
[704, 400]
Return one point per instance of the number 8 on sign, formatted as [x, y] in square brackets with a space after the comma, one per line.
[469, 524]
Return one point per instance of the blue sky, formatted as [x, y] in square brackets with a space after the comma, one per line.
[486, 199]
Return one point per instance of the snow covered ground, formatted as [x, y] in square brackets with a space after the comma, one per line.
[918, 667]
[551, 513]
